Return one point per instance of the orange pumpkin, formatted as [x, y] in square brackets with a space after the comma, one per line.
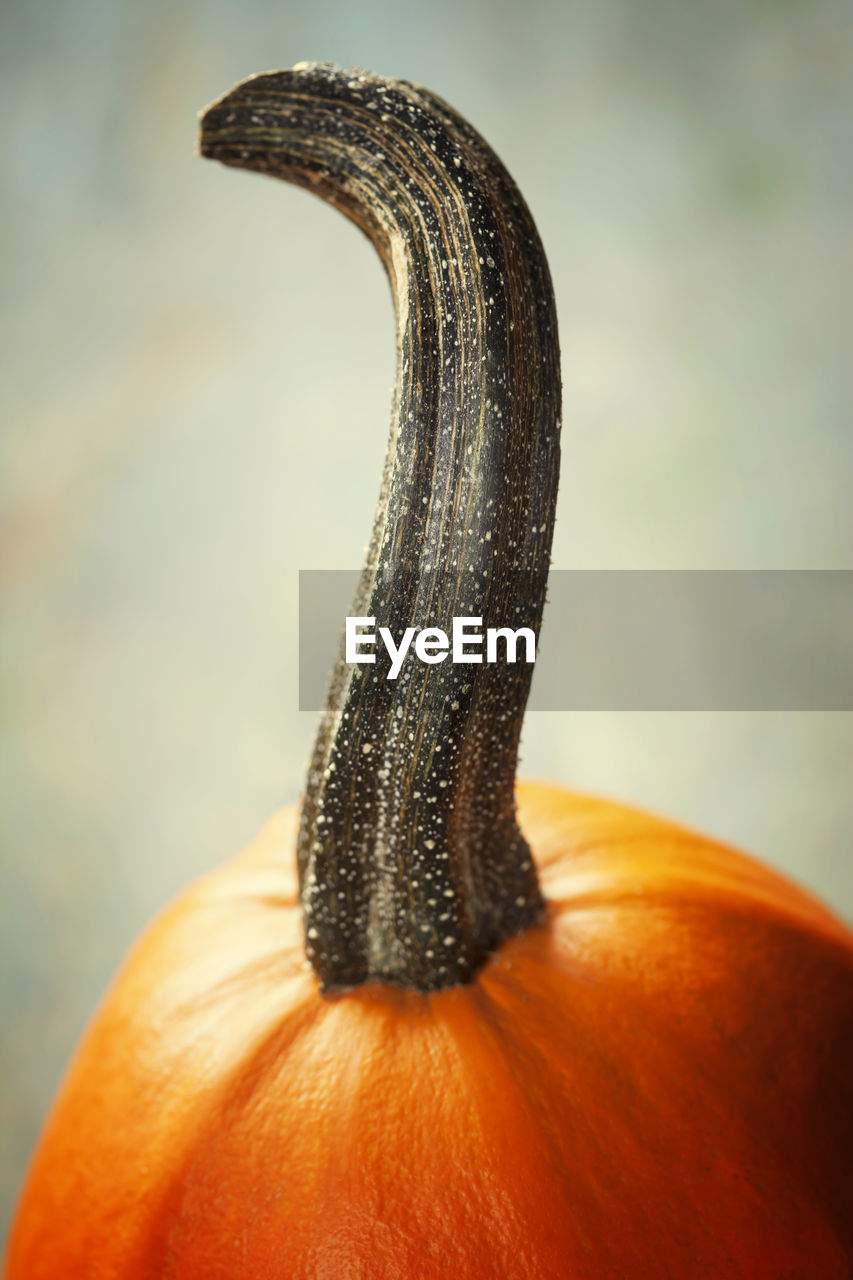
[625, 1056]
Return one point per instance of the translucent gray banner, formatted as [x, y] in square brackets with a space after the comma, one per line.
[650, 641]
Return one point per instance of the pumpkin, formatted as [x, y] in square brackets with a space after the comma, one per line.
[433, 1024]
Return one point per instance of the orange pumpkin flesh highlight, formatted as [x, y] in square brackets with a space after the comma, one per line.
[651, 1083]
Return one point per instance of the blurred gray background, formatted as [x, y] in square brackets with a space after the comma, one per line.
[195, 397]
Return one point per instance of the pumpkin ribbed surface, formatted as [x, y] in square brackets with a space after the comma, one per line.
[650, 1083]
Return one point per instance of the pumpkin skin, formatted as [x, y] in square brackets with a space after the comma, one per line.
[654, 1082]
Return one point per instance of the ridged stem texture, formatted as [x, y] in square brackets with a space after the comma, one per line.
[412, 866]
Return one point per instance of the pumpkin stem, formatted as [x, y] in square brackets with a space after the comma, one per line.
[412, 866]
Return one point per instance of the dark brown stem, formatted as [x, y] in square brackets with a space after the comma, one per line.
[412, 866]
